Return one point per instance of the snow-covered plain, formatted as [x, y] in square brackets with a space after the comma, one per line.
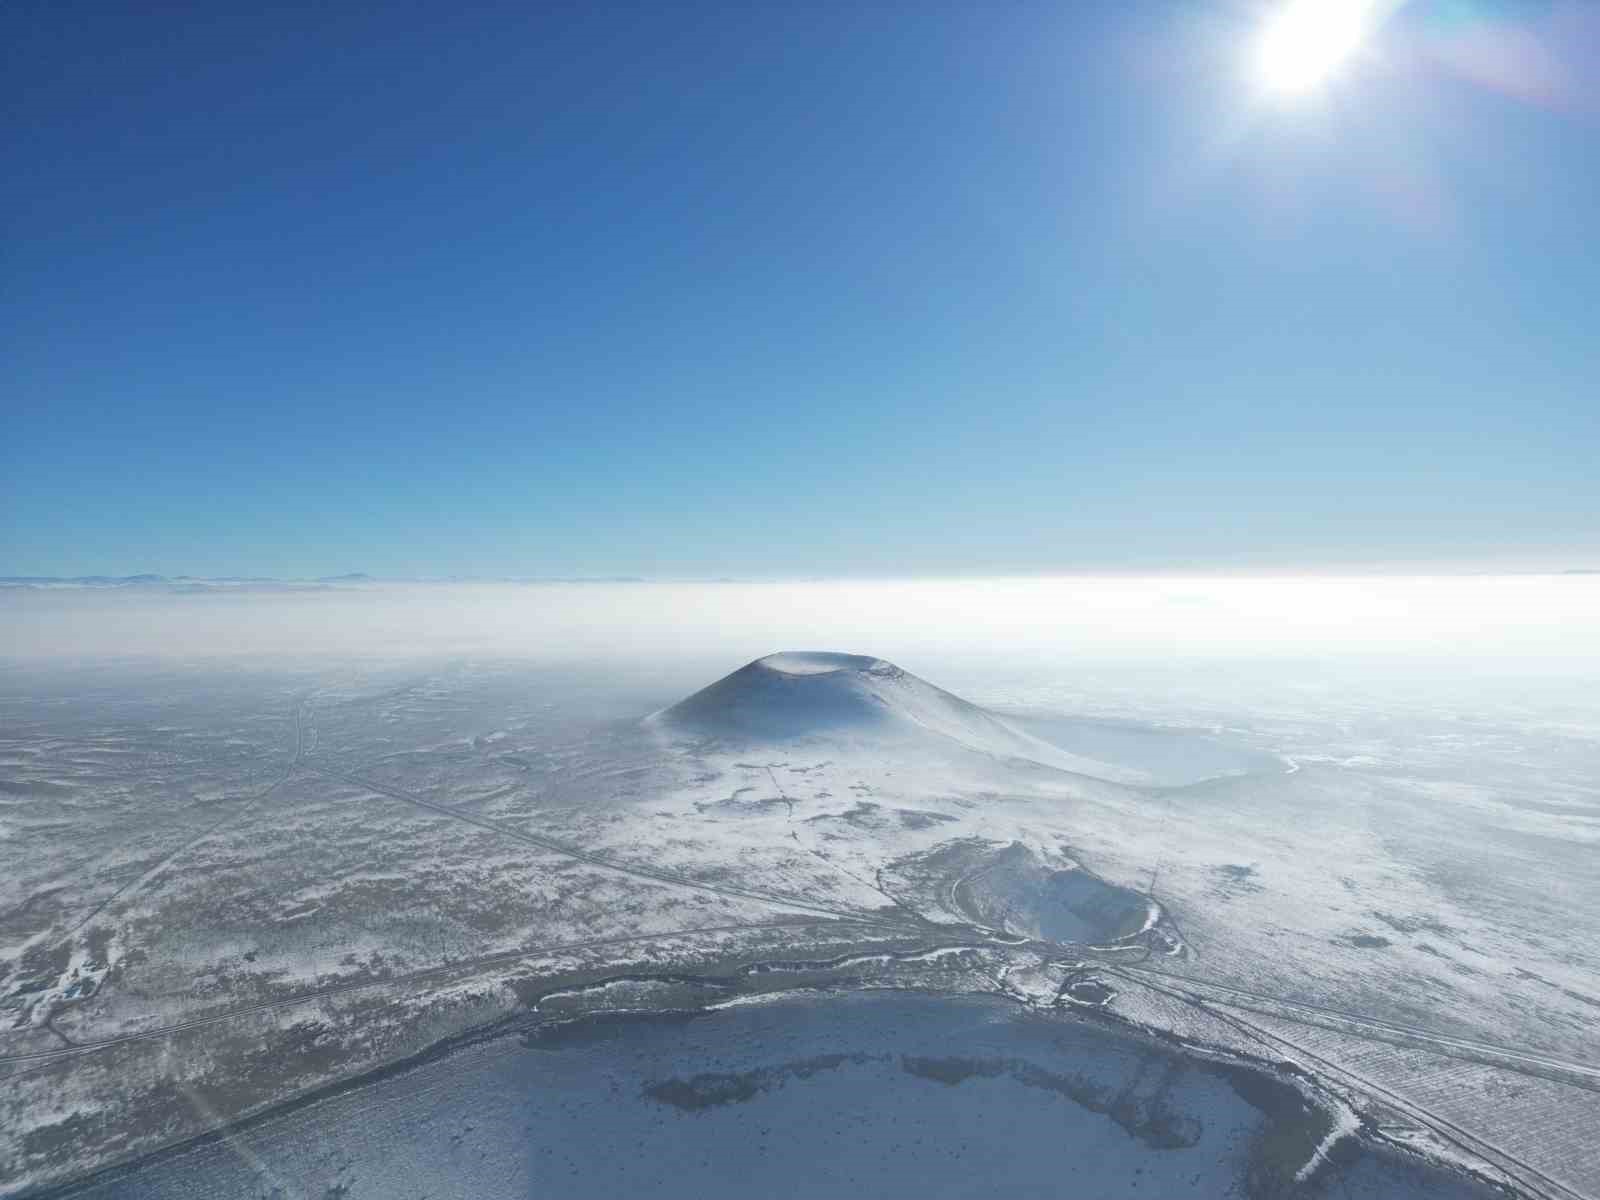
[230, 884]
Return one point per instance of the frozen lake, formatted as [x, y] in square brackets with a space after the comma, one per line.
[876, 1094]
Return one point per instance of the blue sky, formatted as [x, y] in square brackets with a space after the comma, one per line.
[793, 290]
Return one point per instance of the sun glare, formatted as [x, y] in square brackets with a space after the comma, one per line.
[1306, 41]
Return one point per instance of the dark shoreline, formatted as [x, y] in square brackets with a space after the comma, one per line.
[1267, 1085]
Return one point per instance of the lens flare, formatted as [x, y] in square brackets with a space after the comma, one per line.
[1306, 41]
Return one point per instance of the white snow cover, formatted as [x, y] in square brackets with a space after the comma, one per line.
[808, 695]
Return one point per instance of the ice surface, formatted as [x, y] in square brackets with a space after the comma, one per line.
[876, 1095]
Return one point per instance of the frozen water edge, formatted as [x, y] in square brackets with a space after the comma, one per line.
[801, 1095]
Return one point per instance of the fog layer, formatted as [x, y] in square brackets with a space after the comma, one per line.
[1539, 623]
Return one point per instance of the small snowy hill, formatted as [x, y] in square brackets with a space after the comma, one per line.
[851, 699]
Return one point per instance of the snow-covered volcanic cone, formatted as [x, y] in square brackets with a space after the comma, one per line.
[846, 699]
[882, 767]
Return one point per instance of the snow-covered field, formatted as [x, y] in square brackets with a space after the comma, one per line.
[228, 885]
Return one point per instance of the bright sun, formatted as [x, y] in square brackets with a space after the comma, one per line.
[1305, 41]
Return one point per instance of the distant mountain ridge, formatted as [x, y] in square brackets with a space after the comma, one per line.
[205, 583]
[172, 583]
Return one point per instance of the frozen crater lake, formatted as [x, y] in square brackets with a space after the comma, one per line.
[877, 1093]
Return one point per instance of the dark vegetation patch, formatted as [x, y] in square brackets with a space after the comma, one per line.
[863, 815]
[1414, 924]
[673, 990]
[70, 1131]
[593, 1029]
[1150, 1119]
[1366, 941]
[37, 899]
[99, 938]
[735, 803]
[1565, 991]
[1293, 1130]
[46, 961]
[806, 770]
[924, 878]
[913, 818]
[715, 1088]
[1234, 879]
[892, 952]
[309, 1045]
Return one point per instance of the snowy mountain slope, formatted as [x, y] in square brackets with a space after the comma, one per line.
[850, 699]
[836, 772]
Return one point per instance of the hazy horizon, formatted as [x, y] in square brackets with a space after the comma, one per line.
[1577, 564]
[1538, 623]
